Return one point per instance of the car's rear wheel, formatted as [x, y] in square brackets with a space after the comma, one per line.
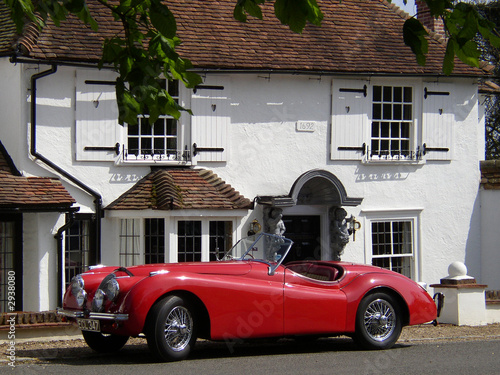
[104, 343]
[171, 329]
[378, 322]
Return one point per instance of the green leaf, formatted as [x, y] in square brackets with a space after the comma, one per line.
[162, 19]
[469, 53]
[414, 36]
[74, 6]
[128, 107]
[296, 13]
[449, 58]
[250, 7]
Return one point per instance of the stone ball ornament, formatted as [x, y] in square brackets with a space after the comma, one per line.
[457, 270]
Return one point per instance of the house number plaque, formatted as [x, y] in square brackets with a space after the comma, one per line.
[306, 126]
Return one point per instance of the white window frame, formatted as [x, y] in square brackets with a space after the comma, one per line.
[205, 235]
[183, 153]
[411, 215]
[135, 239]
[382, 155]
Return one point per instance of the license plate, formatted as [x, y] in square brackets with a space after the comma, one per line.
[89, 325]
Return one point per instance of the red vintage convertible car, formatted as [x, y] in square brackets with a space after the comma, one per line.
[251, 293]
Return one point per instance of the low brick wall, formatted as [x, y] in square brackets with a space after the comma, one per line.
[26, 318]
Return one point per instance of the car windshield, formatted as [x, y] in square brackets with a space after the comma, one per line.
[265, 247]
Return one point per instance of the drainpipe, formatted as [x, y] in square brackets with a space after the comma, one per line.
[59, 170]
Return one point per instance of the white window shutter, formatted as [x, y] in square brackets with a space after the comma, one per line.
[97, 129]
[437, 121]
[210, 120]
[350, 107]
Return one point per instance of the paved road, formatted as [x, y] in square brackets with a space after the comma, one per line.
[326, 356]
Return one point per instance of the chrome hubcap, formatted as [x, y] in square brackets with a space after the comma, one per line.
[178, 328]
[379, 320]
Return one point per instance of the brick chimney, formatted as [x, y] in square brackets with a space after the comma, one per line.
[424, 16]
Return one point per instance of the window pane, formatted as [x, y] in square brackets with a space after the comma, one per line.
[159, 127]
[392, 245]
[133, 129]
[387, 115]
[129, 242]
[408, 97]
[377, 111]
[387, 93]
[397, 111]
[398, 94]
[145, 126]
[220, 238]
[146, 144]
[407, 112]
[171, 127]
[173, 88]
[6, 262]
[189, 241]
[154, 249]
[77, 249]
[159, 145]
[377, 93]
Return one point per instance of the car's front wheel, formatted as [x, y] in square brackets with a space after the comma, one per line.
[171, 329]
[104, 343]
[378, 322]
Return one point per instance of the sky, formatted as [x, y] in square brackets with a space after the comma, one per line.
[408, 8]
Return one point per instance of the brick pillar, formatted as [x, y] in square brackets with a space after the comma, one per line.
[424, 16]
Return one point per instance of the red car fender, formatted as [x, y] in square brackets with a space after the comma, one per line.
[142, 296]
[417, 305]
[250, 308]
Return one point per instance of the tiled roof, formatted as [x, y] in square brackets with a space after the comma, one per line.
[490, 174]
[356, 36]
[7, 30]
[176, 189]
[29, 192]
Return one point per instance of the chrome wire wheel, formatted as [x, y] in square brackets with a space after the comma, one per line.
[178, 328]
[171, 328]
[379, 320]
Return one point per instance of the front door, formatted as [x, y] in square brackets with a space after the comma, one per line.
[305, 233]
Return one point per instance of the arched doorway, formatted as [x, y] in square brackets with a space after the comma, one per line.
[306, 212]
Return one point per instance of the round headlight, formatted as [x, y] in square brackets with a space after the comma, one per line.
[77, 284]
[98, 301]
[81, 296]
[111, 289]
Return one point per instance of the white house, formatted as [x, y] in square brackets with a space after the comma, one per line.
[299, 125]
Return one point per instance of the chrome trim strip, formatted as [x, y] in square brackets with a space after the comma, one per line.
[108, 316]
[70, 314]
[92, 315]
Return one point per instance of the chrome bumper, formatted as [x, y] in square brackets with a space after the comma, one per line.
[92, 315]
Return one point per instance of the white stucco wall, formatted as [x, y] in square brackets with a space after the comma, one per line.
[490, 234]
[12, 132]
[266, 155]
[40, 261]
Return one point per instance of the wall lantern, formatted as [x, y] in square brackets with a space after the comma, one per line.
[254, 228]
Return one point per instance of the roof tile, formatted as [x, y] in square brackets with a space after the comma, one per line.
[176, 189]
[356, 36]
[19, 192]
